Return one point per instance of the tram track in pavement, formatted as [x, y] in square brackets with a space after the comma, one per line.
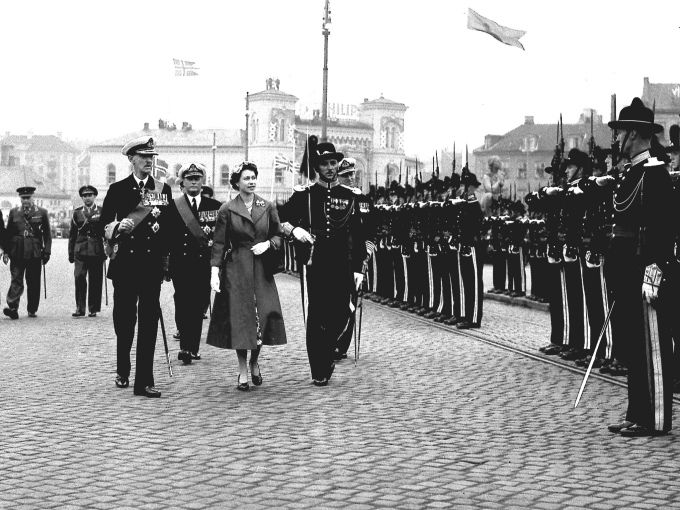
[478, 335]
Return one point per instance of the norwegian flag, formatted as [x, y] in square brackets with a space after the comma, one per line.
[283, 164]
[185, 68]
[160, 169]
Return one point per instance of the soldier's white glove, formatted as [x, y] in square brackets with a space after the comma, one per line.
[5, 258]
[604, 180]
[215, 279]
[651, 283]
[302, 235]
[358, 280]
[552, 190]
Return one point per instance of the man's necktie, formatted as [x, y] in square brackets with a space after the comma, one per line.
[194, 209]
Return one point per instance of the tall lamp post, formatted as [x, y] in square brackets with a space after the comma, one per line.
[326, 30]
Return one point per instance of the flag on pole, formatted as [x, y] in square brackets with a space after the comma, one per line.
[160, 170]
[284, 164]
[503, 34]
[185, 68]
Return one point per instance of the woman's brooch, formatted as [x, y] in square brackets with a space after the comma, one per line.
[259, 203]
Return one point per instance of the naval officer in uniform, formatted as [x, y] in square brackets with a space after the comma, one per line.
[136, 215]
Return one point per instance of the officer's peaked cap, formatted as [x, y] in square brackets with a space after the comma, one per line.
[144, 145]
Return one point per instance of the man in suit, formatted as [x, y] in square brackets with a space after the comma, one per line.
[86, 251]
[30, 245]
[193, 227]
[136, 217]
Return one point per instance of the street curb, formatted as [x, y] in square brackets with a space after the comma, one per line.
[527, 303]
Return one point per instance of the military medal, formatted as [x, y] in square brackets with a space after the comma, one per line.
[210, 242]
[156, 212]
[155, 227]
[207, 230]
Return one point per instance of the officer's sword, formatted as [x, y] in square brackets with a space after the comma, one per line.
[106, 285]
[594, 355]
[357, 343]
[44, 281]
[165, 338]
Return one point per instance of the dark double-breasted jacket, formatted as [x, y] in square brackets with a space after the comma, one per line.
[28, 232]
[186, 250]
[85, 237]
[144, 251]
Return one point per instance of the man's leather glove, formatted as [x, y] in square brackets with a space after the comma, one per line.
[651, 283]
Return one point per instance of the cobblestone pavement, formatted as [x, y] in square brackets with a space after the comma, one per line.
[430, 418]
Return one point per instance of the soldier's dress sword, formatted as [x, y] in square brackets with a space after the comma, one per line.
[594, 355]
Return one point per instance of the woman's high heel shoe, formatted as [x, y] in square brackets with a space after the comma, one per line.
[257, 379]
[241, 386]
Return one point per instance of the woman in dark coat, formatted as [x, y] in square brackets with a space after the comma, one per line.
[246, 313]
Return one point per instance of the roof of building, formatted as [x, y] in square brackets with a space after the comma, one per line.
[513, 141]
[382, 102]
[334, 123]
[38, 143]
[13, 177]
[666, 96]
[181, 138]
[274, 94]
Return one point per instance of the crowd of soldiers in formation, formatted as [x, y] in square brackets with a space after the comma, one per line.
[560, 233]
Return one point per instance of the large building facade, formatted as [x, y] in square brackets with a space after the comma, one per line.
[372, 132]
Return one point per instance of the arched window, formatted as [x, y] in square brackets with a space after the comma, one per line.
[282, 130]
[110, 173]
[224, 175]
[254, 127]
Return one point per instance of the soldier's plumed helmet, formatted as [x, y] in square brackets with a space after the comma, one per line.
[326, 151]
[420, 187]
[638, 117]
[470, 179]
[455, 181]
[576, 157]
[371, 191]
[190, 169]
[409, 191]
[394, 187]
[517, 207]
[236, 174]
[347, 166]
[207, 191]
[144, 145]
[88, 188]
[26, 191]
[674, 136]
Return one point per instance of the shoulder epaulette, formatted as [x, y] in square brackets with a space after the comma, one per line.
[79, 208]
[300, 187]
[653, 161]
[356, 191]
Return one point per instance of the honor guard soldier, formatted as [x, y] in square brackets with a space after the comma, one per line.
[639, 259]
[346, 178]
[136, 215]
[86, 252]
[193, 227]
[324, 218]
[30, 245]
[3, 236]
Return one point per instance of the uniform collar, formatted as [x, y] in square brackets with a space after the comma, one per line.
[327, 185]
[640, 158]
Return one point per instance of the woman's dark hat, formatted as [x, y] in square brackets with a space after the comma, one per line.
[88, 188]
[636, 116]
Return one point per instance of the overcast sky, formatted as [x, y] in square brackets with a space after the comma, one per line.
[97, 70]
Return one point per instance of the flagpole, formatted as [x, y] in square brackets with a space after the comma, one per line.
[324, 101]
[214, 150]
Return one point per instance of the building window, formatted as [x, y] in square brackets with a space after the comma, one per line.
[110, 173]
[522, 171]
[282, 130]
[224, 175]
[254, 128]
[540, 171]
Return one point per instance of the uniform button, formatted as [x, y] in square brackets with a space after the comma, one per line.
[148, 251]
[149, 223]
[132, 237]
[183, 253]
[132, 251]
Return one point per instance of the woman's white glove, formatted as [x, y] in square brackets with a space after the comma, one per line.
[260, 248]
[651, 283]
[302, 235]
[215, 279]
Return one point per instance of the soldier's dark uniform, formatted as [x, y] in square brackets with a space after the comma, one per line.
[643, 203]
[86, 252]
[190, 249]
[30, 245]
[138, 266]
[339, 251]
